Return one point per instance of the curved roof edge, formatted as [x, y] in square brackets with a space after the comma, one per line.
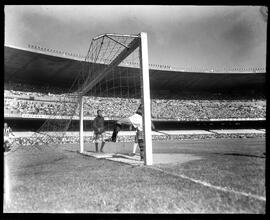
[80, 57]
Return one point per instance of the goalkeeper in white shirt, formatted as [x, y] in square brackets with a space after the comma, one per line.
[137, 122]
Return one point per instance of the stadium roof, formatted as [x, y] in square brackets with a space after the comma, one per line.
[36, 64]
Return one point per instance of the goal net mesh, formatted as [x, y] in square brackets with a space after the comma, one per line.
[109, 80]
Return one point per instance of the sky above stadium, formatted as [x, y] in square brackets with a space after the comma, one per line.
[179, 36]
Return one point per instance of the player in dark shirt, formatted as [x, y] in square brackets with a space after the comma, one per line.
[98, 126]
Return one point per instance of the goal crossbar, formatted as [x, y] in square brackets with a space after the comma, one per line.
[115, 35]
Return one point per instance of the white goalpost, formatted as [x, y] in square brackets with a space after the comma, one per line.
[81, 125]
[146, 100]
[127, 45]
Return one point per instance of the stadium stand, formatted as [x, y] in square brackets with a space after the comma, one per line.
[33, 100]
[45, 101]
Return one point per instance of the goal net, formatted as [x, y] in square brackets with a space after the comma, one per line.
[121, 75]
[114, 78]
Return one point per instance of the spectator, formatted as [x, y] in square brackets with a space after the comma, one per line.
[7, 137]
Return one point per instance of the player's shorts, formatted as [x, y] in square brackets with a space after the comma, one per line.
[139, 135]
[98, 138]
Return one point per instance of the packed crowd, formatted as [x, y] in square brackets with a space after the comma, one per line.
[37, 107]
[47, 100]
[161, 108]
[208, 109]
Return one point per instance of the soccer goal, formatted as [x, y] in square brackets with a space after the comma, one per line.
[116, 67]
[114, 78]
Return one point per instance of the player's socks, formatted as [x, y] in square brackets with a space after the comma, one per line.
[135, 145]
[114, 136]
[141, 146]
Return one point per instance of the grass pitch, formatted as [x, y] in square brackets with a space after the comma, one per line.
[66, 181]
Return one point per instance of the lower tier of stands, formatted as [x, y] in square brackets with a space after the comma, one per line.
[113, 108]
[27, 124]
[27, 138]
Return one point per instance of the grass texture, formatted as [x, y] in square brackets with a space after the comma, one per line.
[59, 181]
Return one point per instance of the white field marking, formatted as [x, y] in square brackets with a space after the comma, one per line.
[225, 189]
[238, 131]
[96, 155]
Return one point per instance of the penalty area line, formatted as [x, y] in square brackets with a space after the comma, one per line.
[224, 189]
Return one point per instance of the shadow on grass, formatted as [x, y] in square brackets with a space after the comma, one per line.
[73, 151]
[77, 151]
[42, 163]
[241, 155]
